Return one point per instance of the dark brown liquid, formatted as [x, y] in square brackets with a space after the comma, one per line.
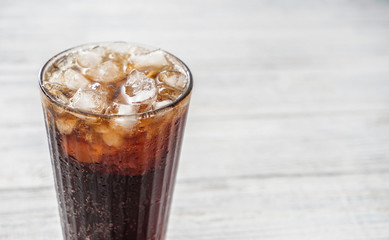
[101, 200]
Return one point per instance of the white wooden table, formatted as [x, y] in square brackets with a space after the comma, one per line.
[288, 133]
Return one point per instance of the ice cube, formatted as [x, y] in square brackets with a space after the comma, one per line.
[127, 120]
[65, 126]
[155, 60]
[106, 72]
[161, 104]
[175, 63]
[137, 50]
[65, 62]
[112, 138]
[124, 109]
[122, 48]
[89, 100]
[71, 79]
[100, 50]
[58, 91]
[173, 79]
[123, 122]
[139, 89]
[52, 76]
[166, 92]
[74, 80]
[101, 128]
[89, 59]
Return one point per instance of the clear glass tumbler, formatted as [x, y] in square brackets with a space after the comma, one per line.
[114, 173]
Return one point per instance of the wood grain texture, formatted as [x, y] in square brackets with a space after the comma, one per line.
[303, 207]
[288, 131]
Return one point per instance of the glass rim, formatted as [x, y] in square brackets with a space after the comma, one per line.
[49, 63]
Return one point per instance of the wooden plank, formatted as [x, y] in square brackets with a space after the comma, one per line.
[29, 213]
[352, 207]
[326, 207]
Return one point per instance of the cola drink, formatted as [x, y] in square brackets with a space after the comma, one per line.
[115, 115]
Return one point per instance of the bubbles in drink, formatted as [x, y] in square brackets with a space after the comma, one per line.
[95, 86]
